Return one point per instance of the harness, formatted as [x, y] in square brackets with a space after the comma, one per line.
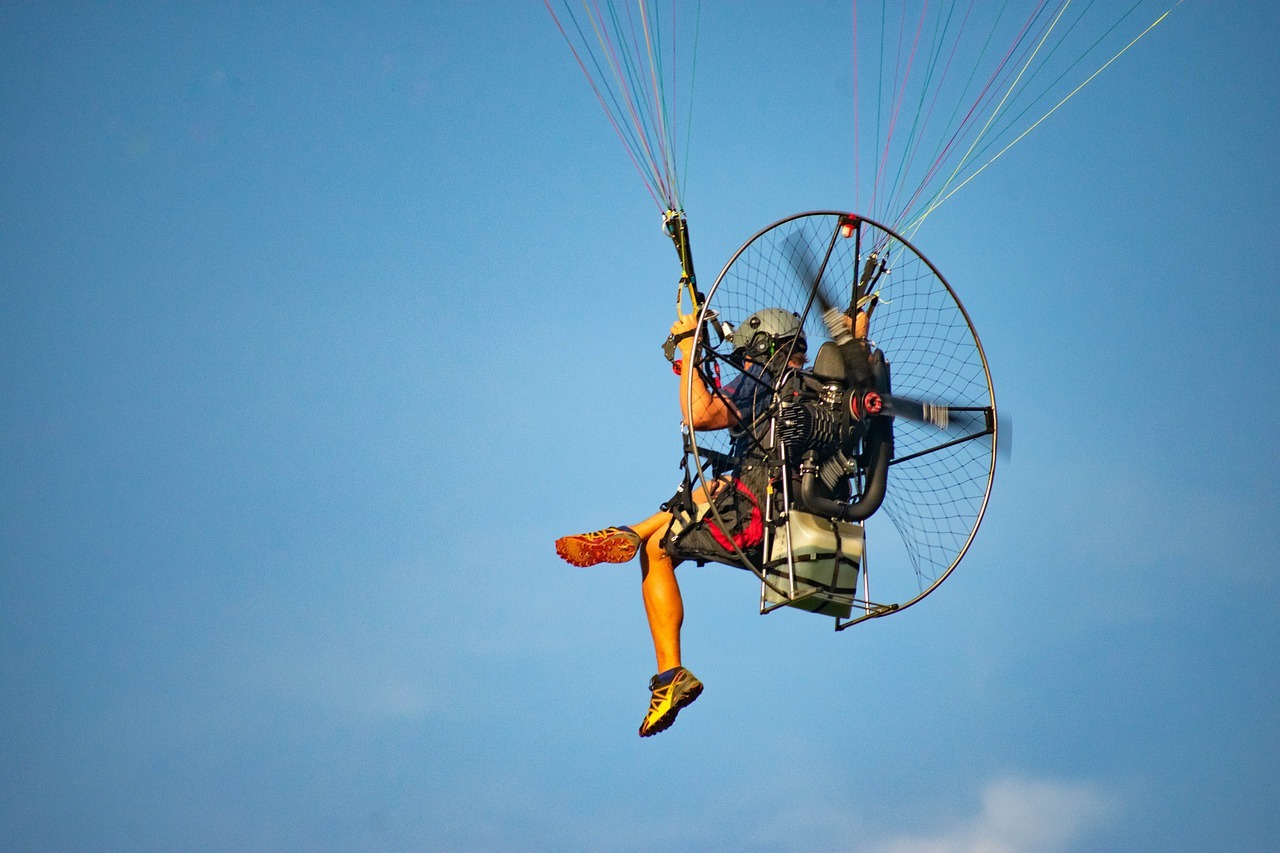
[735, 482]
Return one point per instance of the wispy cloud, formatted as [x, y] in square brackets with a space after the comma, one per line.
[1019, 816]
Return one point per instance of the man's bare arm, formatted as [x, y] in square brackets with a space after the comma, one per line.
[701, 409]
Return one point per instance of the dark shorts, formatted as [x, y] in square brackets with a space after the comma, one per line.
[709, 532]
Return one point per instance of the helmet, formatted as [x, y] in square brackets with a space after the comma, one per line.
[767, 328]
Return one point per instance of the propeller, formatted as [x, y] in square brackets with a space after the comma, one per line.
[966, 420]
[935, 414]
[804, 266]
[808, 272]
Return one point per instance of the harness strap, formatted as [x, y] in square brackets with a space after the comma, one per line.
[683, 498]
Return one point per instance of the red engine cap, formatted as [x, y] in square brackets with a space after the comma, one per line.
[873, 403]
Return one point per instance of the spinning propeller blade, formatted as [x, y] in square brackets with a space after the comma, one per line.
[940, 415]
[1004, 437]
[802, 262]
[804, 266]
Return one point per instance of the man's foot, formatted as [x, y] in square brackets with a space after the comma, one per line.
[611, 545]
[672, 690]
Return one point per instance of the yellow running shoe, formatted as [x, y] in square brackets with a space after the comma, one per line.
[672, 690]
[611, 545]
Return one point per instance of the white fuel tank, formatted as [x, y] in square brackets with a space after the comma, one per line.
[825, 556]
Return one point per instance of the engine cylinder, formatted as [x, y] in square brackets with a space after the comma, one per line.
[807, 425]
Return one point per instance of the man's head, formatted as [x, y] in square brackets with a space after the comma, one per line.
[769, 331]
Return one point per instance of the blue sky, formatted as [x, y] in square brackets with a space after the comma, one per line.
[318, 324]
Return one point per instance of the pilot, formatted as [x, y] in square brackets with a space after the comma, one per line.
[765, 343]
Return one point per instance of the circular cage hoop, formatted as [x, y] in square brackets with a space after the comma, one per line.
[939, 478]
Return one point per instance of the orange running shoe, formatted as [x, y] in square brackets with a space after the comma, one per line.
[611, 545]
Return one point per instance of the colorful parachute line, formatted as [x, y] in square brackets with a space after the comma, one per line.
[944, 89]
[941, 88]
[628, 52]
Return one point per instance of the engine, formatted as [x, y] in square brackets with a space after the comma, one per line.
[817, 427]
[829, 433]
[805, 425]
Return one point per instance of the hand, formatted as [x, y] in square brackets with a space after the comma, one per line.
[857, 327]
[684, 323]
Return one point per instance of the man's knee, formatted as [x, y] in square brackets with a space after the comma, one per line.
[653, 546]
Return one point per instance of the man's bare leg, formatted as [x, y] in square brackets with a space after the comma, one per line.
[653, 527]
[662, 602]
[674, 687]
[612, 544]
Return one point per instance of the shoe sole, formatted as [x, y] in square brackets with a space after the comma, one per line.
[664, 722]
[614, 549]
